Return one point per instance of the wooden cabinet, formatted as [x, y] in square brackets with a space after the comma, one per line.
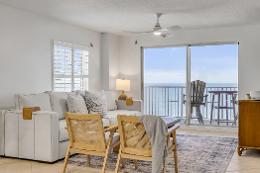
[249, 125]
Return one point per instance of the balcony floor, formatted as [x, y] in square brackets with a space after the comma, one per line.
[224, 125]
[209, 130]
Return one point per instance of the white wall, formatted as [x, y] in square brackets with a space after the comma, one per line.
[110, 46]
[26, 51]
[249, 52]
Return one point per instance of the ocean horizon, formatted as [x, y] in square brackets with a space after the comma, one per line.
[183, 84]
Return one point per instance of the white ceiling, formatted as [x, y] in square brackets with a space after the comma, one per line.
[137, 15]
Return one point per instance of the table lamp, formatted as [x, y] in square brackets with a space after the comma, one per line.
[122, 85]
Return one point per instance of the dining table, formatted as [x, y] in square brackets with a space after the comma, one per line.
[225, 100]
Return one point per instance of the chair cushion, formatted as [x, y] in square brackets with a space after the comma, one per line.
[115, 138]
[42, 100]
[106, 122]
[63, 133]
[59, 103]
[112, 115]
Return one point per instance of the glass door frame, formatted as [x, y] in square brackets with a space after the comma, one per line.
[188, 70]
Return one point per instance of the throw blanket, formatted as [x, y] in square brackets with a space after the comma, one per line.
[156, 130]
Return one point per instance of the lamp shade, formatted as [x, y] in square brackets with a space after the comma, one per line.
[123, 84]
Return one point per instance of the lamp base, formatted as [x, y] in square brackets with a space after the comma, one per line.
[129, 101]
[122, 96]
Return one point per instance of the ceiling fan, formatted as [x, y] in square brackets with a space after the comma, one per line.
[157, 29]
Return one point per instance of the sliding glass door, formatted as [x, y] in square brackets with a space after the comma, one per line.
[164, 78]
[168, 73]
[217, 66]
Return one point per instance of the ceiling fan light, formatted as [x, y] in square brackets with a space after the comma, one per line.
[157, 33]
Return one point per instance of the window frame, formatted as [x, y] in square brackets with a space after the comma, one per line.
[71, 76]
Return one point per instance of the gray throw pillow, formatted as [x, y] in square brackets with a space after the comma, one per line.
[76, 104]
[96, 102]
[111, 97]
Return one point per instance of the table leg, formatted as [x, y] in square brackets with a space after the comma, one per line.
[218, 108]
[227, 109]
[212, 108]
[234, 108]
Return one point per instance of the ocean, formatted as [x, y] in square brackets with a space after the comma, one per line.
[183, 84]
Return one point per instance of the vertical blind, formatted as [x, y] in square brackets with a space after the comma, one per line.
[70, 67]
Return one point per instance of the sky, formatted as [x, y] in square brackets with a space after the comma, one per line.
[211, 63]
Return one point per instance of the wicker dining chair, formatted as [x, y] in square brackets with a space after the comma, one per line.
[135, 143]
[87, 136]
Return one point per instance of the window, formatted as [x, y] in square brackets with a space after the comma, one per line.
[70, 67]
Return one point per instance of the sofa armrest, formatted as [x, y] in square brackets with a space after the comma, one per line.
[35, 139]
[43, 113]
[2, 132]
[46, 140]
[136, 106]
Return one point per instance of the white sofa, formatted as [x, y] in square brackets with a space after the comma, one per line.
[2, 132]
[45, 138]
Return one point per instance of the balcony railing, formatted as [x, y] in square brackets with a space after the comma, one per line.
[169, 101]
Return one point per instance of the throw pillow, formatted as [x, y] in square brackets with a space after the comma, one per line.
[96, 102]
[76, 104]
[41, 100]
[59, 102]
[111, 97]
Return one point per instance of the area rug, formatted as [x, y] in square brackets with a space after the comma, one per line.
[196, 154]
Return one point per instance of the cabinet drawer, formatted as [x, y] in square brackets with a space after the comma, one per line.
[249, 123]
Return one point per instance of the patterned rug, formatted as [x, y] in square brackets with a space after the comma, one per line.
[196, 154]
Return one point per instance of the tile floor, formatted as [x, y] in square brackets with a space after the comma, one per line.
[248, 163]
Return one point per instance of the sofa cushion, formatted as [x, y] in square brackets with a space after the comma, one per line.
[111, 97]
[63, 133]
[96, 102]
[59, 103]
[106, 122]
[112, 115]
[115, 140]
[42, 100]
[76, 104]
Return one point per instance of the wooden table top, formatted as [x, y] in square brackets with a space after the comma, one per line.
[223, 92]
[170, 121]
[249, 100]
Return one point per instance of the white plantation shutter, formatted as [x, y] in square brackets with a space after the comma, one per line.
[80, 68]
[70, 67]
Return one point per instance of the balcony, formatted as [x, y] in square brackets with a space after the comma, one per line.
[169, 101]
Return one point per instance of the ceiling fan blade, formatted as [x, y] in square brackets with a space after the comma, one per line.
[174, 28]
[138, 32]
[164, 30]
